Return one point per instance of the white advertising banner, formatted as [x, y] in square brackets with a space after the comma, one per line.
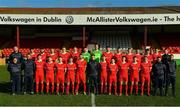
[89, 19]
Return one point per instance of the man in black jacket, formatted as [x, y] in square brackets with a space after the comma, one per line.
[165, 60]
[29, 69]
[16, 54]
[171, 75]
[158, 70]
[93, 69]
[15, 70]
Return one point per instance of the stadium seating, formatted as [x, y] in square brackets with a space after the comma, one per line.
[170, 42]
[114, 39]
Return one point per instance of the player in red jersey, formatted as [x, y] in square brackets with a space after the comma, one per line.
[39, 73]
[33, 54]
[118, 56]
[103, 75]
[129, 56]
[81, 74]
[75, 54]
[145, 75]
[49, 68]
[113, 69]
[71, 69]
[138, 55]
[149, 56]
[155, 55]
[60, 75]
[65, 55]
[108, 54]
[123, 75]
[43, 54]
[134, 74]
[53, 55]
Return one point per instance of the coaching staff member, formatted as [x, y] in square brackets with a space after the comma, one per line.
[93, 69]
[15, 69]
[29, 69]
[158, 70]
[165, 59]
[171, 75]
[16, 54]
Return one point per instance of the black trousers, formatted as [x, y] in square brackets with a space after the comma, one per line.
[158, 83]
[171, 80]
[28, 83]
[92, 80]
[16, 83]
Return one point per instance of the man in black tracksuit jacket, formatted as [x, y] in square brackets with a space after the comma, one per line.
[93, 69]
[29, 69]
[15, 70]
[165, 60]
[158, 70]
[171, 76]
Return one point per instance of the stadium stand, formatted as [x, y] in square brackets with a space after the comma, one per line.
[114, 39]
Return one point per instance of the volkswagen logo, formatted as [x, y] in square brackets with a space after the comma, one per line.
[69, 19]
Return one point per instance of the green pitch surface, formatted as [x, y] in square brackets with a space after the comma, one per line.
[80, 100]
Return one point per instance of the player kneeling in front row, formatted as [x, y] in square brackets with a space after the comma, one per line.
[60, 74]
[29, 69]
[81, 74]
[39, 73]
[123, 75]
[134, 75]
[49, 68]
[113, 69]
[145, 75]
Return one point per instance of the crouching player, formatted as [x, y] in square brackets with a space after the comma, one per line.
[123, 75]
[145, 75]
[71, 68]
[39, 73]
[103, 78]
[81, 74]
[61, 70]
[49, 67]
[134, 75]
[113, 68]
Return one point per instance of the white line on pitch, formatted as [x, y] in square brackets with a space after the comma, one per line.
[93, 100]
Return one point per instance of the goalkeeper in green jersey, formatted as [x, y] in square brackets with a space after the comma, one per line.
[86, 55]
[97, 53]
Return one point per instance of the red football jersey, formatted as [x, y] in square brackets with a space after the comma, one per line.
[108, 56]
[103, 67]
[134, 69]
[60, 68]
[65, 57]
[129, 58]
[53, 56]
[49, 67]
[113, 69]
[150, 58]
[43, 56]
[81, 65]
[75, 56]
[33, 56]
[118, 58]
[124, 68]
[139, 57]
[145, 68]
[71, 68]
[39, 67]
[155, 56]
